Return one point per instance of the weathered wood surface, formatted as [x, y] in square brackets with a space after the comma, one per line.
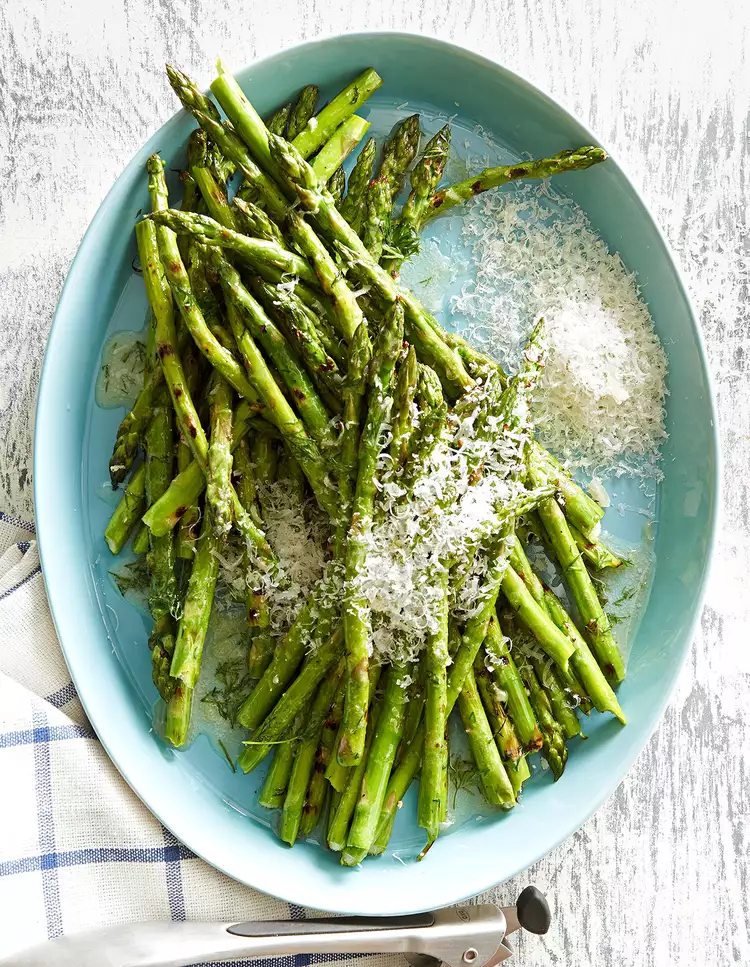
[660, 875]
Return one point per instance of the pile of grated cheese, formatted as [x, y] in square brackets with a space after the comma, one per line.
[600, 403]
[298, 536]
[421, 529]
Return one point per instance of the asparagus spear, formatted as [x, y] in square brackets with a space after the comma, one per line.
[352, 206]
[402, 422]
[399, 151]
[337, 185]
[377, 221]
[256, 605]
[554, 748]
[215, 197]
[474, 633]
[435, 758]
[274, 788]
[294, 699]
[502, 728]
[353, 394]
[583, 661]
[498, 790]
[569, 160]
[219, 476]
[190, 483]
[132, 428]
[128, 511]
[385, 742]
[191, 635]
[549, 636]
[318, 787]
[257, 252]
[507, 678]
[356, 618]
[425, 178]
[341, 815]
[598, 555]
[191, 96]
[595, 621]
[338, 148]
[162, 601]
[303, 110]
[320, 127]
[422, 329]
[277, 122]
[254, 221]
[248, 313]
[304, 760]
[348, 314]
[284, 662]
[303, 336]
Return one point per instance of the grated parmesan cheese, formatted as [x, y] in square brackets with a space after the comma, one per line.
[600, 404]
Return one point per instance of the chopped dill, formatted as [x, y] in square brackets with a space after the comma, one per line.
[227, 755]
[132, 577]
[463, 774]
[231, 689]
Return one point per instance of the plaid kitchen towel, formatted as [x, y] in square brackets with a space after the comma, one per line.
[78, 850]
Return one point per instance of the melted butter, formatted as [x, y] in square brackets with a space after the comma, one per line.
[121, 374]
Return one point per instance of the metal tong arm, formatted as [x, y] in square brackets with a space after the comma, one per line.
[458, 936]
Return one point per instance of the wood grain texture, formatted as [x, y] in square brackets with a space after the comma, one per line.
[660, 875]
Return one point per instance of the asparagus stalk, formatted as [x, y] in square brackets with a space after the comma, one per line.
[356, 618]
[277, 122]
[554, 748]
[353, 393]
[402, 422]
[338, 148]
[190, 483]
[215, 197]
[319, 128]
[435, 759]
[303, 110]
[273, 793]
[474, 633]
[348, 796]
[337, 185]
[598, 555]
[284, 662]
[352, 206]
[294, 699]
[252, 220]
[425, 178]
[549, 636]
[399, 151]
[498, 790]
[191, 635]
[162, 600]
[569, 160]
[128, 511]
[584, 663]
[422, 328]
[377, 221]
[595, 621]
[385, 742]
[256, 605]
[257, 252]
[304, 760]
[318, 788]
[311, 408]
[507, 678]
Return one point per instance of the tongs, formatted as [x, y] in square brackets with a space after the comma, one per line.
[465, 936]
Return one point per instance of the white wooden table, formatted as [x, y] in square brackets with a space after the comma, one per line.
[660, 875]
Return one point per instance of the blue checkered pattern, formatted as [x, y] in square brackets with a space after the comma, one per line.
[78, 850]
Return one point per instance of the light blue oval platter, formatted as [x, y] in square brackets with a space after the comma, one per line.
[194, 793]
